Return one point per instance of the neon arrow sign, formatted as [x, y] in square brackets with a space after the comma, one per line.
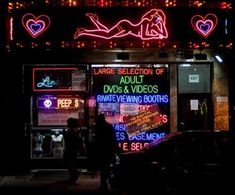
[204, 25]
[151, 26]
[35, 25]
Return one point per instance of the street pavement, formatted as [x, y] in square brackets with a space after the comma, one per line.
[51, 181]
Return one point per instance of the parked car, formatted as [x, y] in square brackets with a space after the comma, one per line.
[196, 162]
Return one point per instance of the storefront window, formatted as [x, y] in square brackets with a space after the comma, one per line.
[135, 100]
[57, 93]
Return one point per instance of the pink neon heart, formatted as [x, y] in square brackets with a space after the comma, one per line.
[35, 25]
[204, 25]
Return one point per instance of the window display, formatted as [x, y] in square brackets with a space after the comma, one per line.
[135, 100]
[37, 144]
[57, 144]
[58, 92]
[47, 143]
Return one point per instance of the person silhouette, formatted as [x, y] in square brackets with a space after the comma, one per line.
[151, 26]
[106, 147]
[72, 141]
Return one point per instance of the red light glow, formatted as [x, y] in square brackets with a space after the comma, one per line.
[35, 25]
[204, 25]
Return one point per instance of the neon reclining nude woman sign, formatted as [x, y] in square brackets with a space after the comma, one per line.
[151, 26]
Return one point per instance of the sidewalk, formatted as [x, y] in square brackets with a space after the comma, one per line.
[50, 181]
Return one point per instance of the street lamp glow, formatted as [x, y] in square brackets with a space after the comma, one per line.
[219, 58]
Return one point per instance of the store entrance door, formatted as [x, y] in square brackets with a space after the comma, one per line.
[194, 112]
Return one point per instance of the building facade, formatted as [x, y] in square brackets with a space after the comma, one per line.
[151, 67]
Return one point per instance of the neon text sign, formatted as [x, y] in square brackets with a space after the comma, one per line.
[134, 142]
[35, 25]
[59, 79]
[139, 99]
[47, 82]
[204, 25]
[137, 145]
[68, 103]
[130, 85]
[151, 26]
[58, 103]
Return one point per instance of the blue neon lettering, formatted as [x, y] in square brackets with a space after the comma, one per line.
[144, 136]
[46, 82]
[119, 127]
[120, 136]
[118, 98]
[114, 98]
[156, 99]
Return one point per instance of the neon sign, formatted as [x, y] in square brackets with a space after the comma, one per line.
[47, 103]
[47, 82]
[135, 142]
[135, 100]
[151, 26]
[58, 103]
[204, 25]
[130, 85]
[133, 146]
[59, 79]
[67, 103]
[35, 25]
[140, 99]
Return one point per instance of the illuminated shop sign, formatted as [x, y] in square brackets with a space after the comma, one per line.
[111, 25]
[59, 103]
[135, 100]
[140, 99]
[137, 141]
[35, 25]
[152, 25]
[136, 125]
[131, 85]
[55, 110]
[204, 25]
[59, 79]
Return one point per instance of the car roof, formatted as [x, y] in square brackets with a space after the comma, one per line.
[185, 133]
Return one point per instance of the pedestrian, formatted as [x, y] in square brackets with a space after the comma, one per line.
[72, 139]
[91, 154]
[106, 148]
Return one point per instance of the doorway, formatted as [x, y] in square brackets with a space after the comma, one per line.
[194, 112]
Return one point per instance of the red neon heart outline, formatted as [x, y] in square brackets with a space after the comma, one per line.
[30, 18]
[209, 19]
[35, 33]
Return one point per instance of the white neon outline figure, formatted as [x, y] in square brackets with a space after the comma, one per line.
[151, 26]
[204, 25]
[29, 21]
